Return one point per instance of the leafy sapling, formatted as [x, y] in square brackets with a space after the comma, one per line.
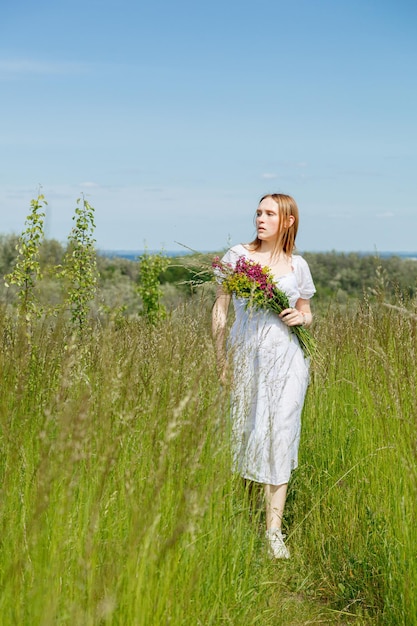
[27, 272]
[149, 288]
[80, 264]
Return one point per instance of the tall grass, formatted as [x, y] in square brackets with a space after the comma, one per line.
[359, 454]
[117, 501]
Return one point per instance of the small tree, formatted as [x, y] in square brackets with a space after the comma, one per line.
[26, 272]
[80, 264]
[149, 288]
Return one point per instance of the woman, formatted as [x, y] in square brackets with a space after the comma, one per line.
[270, 373]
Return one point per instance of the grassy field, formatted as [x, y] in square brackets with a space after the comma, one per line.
[117, 501]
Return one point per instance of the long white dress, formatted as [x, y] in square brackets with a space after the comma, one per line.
[270, 379]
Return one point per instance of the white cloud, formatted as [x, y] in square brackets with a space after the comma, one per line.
[385, 215]
[89, 185]
[269, 176]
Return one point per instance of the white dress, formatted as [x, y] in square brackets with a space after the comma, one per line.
[270, 379]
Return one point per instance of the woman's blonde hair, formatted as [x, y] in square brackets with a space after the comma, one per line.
[285, 241]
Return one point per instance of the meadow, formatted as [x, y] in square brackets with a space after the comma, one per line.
[118, 505]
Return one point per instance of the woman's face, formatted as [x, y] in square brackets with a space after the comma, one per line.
[267, 220]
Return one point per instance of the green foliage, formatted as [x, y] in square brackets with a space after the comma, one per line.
[8, 253]
[187, 273]
[346, 276]
[26, 271]
[51, 254]
[338, 277]
[80, 265]
[149, 289]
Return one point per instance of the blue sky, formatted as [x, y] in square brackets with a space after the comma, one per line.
[174, 117]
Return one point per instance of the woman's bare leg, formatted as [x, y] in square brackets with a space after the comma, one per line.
[275, 497]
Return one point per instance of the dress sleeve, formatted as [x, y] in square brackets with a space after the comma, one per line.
[304, 278]
[229, 258]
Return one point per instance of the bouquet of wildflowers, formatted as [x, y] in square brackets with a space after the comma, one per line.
[255, 283]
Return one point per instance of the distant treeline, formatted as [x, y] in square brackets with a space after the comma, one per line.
[343, 275]
[337, 275]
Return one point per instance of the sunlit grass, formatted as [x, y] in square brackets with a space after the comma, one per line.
[117, 501]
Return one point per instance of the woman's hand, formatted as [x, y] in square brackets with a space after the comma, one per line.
[292, 317]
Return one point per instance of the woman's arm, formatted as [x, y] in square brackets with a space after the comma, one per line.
[218, 325]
